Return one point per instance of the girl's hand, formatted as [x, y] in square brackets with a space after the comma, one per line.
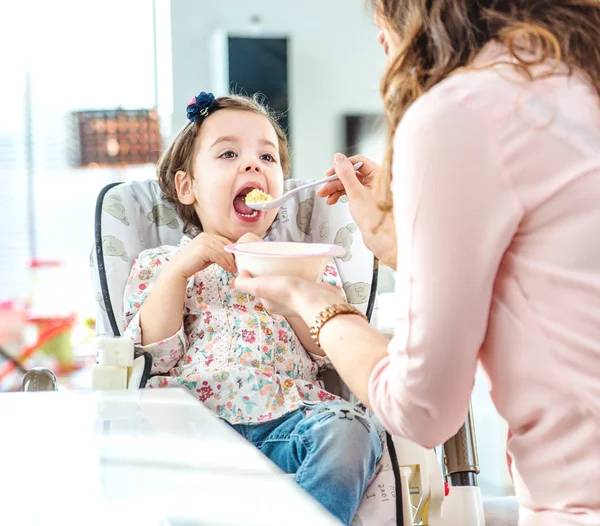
[289, 296]
[363, 207]
[202, 251]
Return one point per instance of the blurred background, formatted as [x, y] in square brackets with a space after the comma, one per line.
[90, 94]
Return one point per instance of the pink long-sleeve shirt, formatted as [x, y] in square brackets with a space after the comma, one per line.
[497, 208]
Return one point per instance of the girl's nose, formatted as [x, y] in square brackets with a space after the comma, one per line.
[253, 166]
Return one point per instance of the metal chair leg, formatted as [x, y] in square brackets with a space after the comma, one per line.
[39, 379]
[460, 452]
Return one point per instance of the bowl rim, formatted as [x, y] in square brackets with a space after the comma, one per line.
[329, 250]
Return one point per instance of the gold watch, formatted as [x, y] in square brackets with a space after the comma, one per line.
[331, 312]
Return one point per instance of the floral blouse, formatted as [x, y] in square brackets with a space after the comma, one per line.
[246, 365]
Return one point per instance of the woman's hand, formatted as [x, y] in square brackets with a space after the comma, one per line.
[358, 186]
[289, 296]
[202, 251]
[366, 175]
[249, 237]
[280, 294]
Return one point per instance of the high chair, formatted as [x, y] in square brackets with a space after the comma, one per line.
[409, 486]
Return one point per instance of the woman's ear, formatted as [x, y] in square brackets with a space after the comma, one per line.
[185, 188]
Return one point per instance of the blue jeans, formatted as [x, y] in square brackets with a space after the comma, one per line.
[332, 448]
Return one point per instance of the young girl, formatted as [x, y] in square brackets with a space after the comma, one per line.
[256, 371]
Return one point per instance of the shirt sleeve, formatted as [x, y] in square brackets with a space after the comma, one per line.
[456, 212]
[144, 272]
[331, 276]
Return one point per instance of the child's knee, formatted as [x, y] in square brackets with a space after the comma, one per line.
[347, 427]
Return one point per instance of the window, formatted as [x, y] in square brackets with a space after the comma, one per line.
[78, 60]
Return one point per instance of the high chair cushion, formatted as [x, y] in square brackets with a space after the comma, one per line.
[134, 216]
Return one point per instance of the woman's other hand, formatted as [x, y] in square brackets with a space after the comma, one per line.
[289, 296]
[249, 237]
[358, 187]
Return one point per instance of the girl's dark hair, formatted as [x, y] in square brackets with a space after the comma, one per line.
[437, 37]
[179, 156]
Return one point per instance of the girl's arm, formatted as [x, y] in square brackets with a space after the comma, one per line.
[161, 315]
[146, 274]
[302, 331]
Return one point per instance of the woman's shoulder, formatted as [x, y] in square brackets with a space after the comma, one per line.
[483, 91]
[490, 86]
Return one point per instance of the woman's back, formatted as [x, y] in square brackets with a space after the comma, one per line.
[497, 209]
[542, 348]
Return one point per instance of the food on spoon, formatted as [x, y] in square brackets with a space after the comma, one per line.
[258, 196]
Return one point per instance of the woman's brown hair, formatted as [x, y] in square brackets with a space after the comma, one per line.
[437, 37]
[179, 156]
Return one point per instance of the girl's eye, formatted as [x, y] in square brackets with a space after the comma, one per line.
[268, 157]
[228, 155]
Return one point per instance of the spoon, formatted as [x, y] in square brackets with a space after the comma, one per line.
[269, 205]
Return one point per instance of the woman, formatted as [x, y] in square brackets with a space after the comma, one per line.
[494, 168]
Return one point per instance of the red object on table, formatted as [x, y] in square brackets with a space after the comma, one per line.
[49, 329]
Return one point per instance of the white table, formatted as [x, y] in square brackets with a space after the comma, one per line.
[148, 457]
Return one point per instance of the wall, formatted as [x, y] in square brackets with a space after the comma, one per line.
[335, 64]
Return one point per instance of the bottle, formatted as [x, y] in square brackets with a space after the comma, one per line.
[114, 357]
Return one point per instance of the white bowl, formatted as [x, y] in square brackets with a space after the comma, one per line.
[279, 258]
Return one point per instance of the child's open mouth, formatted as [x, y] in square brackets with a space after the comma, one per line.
[242, 210]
